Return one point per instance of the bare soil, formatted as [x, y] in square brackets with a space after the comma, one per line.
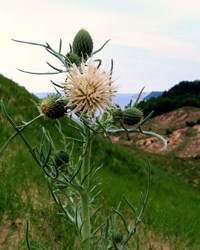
[184, 141]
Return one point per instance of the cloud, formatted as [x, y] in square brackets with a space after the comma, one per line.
[179, 8]
[145, 35]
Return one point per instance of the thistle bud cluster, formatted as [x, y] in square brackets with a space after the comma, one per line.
[81, 49]
[118, 117]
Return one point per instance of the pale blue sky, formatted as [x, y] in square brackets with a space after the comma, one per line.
[154, 43]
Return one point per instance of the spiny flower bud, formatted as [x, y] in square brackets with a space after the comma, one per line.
[117, 237]
[61, 158]
[71, 58]
[116, 114]
[83, 44]
[52, 107]
[132, 115]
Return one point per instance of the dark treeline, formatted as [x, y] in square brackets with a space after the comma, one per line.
[186, 93]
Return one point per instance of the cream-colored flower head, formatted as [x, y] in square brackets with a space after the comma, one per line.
[89, 89]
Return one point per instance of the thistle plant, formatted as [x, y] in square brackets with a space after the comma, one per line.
[85, 97]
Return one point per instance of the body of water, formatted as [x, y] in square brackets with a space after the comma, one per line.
[120, 99]
[124, 99]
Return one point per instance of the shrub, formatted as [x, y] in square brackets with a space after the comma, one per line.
[168, 131]
[198, 121]
[190, 123]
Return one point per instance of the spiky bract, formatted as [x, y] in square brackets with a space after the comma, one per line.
[71, 58]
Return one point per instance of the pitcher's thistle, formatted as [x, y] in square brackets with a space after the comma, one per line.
[89, 89]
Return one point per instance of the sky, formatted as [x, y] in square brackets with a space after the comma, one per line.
[154, 43]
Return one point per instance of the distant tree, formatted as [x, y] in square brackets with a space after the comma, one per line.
[185, 93]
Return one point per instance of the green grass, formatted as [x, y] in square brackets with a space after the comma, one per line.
[173, 207]
[187, 170]
[172, 214]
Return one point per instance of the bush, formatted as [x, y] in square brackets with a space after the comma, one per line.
[198, 121]
[168, 131]
[190, 123]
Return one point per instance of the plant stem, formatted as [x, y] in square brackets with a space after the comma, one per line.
[85, 197]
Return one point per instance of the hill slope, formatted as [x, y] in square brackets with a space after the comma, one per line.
[183, 94]
[181, 128]
[173, 207]
[153, 94]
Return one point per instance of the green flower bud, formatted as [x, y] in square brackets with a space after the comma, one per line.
[61, 158]
[72, 58]
[132, 115]
[117, 237]
[52, 107]
[116, 114]
[82, 44]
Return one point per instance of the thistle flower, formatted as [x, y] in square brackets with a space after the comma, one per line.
[132, 115]
[83, 44]
[116, 114]
[89, 89]
[117, 237]
[61, 158]
[52, 107]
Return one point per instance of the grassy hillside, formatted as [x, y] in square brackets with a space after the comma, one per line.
[171, 221]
